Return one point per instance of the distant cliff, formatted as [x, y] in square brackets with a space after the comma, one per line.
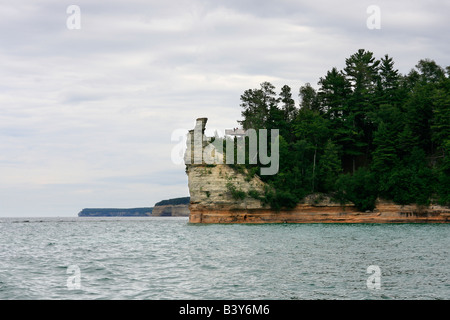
[115, 212]
[177, 207]
[174, 201]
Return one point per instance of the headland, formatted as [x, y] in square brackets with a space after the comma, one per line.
[221, 193]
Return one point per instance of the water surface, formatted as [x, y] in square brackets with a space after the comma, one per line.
[168, 258]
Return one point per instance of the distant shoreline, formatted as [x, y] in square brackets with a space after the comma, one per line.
[169, 207]
[116, 212]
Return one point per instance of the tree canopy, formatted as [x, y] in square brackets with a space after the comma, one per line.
[367, 131]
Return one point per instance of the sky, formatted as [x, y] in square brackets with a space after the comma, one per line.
[90, 99]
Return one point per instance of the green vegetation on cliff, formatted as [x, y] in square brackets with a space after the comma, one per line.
[174, 201]
[366, 132]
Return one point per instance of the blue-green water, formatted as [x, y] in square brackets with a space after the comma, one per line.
[167, 258]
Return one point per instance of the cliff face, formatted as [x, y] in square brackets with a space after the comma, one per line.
[223, 188]
[170, 210]
[329, 213]
[217, 187]
[221, 194]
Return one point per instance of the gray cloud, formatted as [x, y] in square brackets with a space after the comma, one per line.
[86, 115]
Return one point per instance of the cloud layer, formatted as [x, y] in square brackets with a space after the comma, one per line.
[86, 115]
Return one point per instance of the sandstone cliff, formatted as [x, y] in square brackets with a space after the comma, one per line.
[221, 194]
[219, 187]
[177, 207]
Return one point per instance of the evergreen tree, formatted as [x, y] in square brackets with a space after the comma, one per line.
[289, 112]
[362, 72]
[288, 104]
[389, 83]
[386, 142]
[360, 188]
[441, 136]
[419, 113]
[259, 106]
[329, 167]
[368, 131]
[333, 94]
[311, 127]
[441, 116]
[384, 156]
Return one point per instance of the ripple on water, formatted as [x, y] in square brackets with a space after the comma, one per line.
[167, 258]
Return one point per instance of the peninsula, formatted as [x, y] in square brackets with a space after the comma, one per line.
[222, 193]
[116, 212]
[176, 207]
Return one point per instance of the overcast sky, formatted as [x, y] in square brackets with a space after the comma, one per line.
[86, 115]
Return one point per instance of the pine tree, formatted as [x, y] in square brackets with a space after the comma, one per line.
[362, 72]
[333, 94]
[441, 117]
[308, 97]
[288, 112]
[288, 104]
[384, 156]
[389, 83]
[258, 105]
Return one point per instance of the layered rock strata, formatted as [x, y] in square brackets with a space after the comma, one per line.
[304, 213]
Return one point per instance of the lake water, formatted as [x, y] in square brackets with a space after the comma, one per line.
[168, 258]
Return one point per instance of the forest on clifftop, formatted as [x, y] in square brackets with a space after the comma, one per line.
[367, 131]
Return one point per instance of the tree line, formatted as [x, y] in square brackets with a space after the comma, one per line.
[367, 131]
